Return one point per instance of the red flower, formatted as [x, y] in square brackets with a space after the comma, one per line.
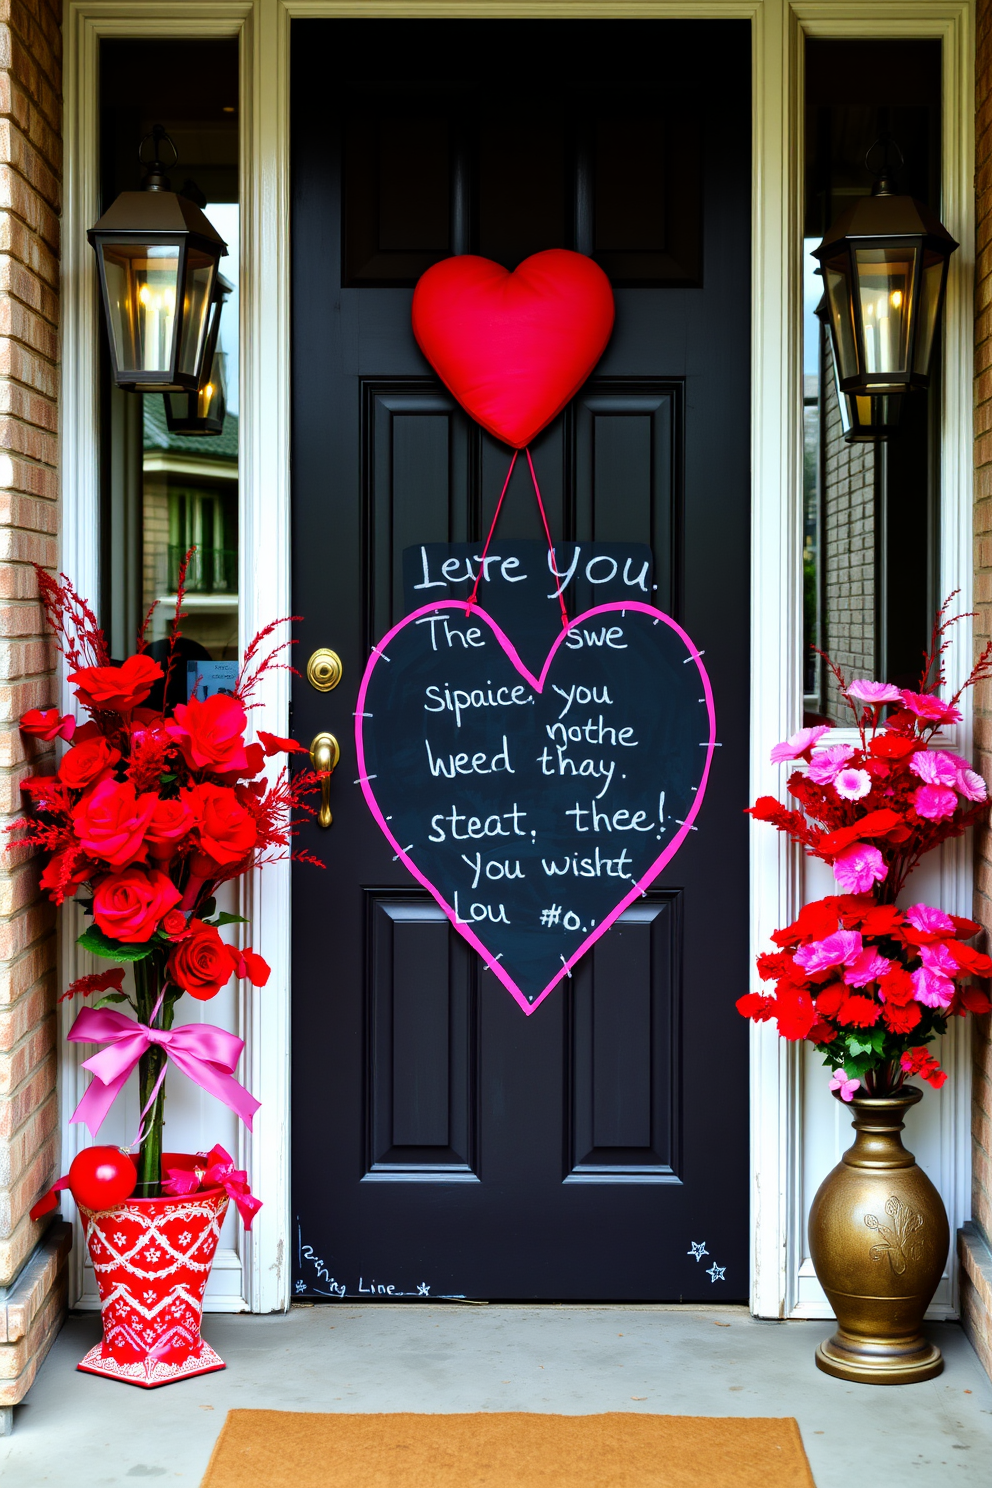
[174, 925]
[200, 964]
[48, 725]
[822, 1033]
[859, 1012]
[831, 999]
[753, 1005]
[901, 1019]
[254, 762]
[965, 928]
[127, 906]
[968, 958]
[815, 922]
[881, 919]
[970, 999]
[896, 987]
[794, 1011]
[63, 873]
[211, 734]
[87, 762]
[111, 822]
[919, 1062]
[272, 744]
[250, 964]
[171, 821]
[894, 746]
[116, 689]
[227, 830]
[96, 981]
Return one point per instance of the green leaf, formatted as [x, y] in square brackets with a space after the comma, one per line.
[112, 997]
[167, 779]
[99, 944]
[207, 908]
[227, 919]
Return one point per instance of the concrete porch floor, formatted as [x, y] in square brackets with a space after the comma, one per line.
[79, 1431]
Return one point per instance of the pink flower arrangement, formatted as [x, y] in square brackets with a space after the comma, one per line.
[870, 985]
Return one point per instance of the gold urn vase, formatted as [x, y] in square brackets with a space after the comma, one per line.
[878, 1238]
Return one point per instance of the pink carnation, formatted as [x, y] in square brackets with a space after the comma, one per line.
[797, 744]
[825, 764]
[971, 785]
[934, 802]
[852, 784]
[867, 968]
[934, 768]
[928, 707]
[938, 959]
[875, 693]
[858, 868]
[932, 990]
[924, 917]
[840, 949]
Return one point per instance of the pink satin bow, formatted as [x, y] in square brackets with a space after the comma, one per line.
[208, 1055]
[219, 1172]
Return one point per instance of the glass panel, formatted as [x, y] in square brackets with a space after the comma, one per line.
[836, 280]
[190, 499]
[812, 293]
[931, 295]
[885, 288]
[141, 291]
[200, 271]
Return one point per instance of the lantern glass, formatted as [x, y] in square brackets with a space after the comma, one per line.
[885, 293]
[200, 270]
[201, 412]
[840, 301]
[931, 298]
[142, 281]
[870, 416]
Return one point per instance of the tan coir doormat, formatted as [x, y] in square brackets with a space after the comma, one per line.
[290, 1449]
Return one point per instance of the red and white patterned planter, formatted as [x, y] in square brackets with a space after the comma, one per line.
[152, 1258]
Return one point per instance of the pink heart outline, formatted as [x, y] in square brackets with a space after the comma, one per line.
[378, 652]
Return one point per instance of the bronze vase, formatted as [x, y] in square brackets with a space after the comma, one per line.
[878, 1238]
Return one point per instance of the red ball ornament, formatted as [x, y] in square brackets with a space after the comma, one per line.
[100, 1178]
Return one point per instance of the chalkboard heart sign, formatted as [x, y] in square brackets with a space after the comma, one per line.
[535, 808]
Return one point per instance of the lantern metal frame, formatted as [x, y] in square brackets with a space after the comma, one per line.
[866, 418]
[156, 217]
[884, 221]
[192, 421]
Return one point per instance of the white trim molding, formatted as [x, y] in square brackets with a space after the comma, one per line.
[778, 30]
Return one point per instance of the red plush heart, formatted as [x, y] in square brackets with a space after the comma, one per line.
[514, 348]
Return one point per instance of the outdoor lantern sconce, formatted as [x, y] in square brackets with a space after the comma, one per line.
[884, 265]
[157, 256]
[202, 412]
[864, 417]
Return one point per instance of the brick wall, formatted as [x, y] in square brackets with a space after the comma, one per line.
[30, 174]
[848, 552]
[977, 1274]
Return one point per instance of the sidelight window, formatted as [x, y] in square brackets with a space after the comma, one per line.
[167, 490]
[870, 506]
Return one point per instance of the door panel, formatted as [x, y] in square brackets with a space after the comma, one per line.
[444, 1143]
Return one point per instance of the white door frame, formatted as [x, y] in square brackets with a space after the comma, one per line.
[778, 30]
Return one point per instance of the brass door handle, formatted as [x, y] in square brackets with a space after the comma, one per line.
[324, 755]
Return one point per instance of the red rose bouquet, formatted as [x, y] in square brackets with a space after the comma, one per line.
[149, 810]
[868, 984]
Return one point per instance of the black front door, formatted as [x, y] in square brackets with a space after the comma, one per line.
[443, 1142]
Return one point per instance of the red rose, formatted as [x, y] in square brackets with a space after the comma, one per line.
[227, 830]
[128, 906]
[174, 925]
[254, 762]
[117, 689]
[48, 724]
[111, 821]
[211, 734]
[273, 744]
[200, 964]
[171, 821]
[87, 762]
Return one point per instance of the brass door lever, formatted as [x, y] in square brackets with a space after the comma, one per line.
[324, 755]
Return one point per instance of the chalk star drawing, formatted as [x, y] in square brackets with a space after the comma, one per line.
[717, 1273]
[698, 1249]
[301, 1286]
[423, 1290]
